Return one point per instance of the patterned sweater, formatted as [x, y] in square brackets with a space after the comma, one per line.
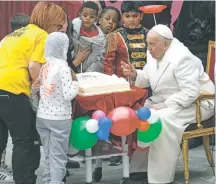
[55, 99]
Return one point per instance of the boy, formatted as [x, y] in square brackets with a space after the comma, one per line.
[88, 36]
[128, 44]
[16, 22]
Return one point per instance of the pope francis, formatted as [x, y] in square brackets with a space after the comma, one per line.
[176, 78]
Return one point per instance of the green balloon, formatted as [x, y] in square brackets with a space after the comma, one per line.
[151, 134]
[80, 138]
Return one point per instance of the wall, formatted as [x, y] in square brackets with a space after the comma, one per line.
[10, 8]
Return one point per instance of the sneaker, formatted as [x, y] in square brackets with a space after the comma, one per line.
[7, 169]
[6, 177]
[115, 161]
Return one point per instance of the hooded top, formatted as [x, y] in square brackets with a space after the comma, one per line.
[57, 88]
[56, 46]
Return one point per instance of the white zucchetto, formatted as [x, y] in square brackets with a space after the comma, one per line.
[163, 31]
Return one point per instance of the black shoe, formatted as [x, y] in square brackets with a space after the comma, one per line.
[138, 176]
[93, 161]
[144, 181]
[72, 164]
[115, 161]
[66, 175]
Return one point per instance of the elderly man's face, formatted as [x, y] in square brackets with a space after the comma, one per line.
[156, 46]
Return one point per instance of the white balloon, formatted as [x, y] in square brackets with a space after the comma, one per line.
[92, 126]
[142, 144]
[154, 117]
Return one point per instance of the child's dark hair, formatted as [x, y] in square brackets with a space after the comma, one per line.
[91, 5]
[18, 21]
[114, 9]
[130, 6]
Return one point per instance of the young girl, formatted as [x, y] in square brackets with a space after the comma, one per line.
[54, 111]
[109, 19]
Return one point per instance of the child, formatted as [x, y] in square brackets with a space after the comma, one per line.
[18, 21]
[54, 111]
[109, 19]
[128, 44]
[88, 36]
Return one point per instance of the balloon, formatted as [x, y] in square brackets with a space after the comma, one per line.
[80, 138]
[144, 126]
[142, 144]
[151, 134]
[124, 121]
[150, 9]
[105, 123]
[103, 135]
[92, 126]
[143, 113]
[154, 116]
[98, 115]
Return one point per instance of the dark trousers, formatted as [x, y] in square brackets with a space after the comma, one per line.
[3, 137]
[17, 115]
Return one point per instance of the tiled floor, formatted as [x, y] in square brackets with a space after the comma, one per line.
[200, 172]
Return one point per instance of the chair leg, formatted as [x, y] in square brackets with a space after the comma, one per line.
[206, 144]
[185, 158]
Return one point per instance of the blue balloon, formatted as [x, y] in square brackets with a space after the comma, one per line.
[105, 123]
[143, 113]
[103, 135]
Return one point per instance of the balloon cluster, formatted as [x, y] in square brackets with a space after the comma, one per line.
[121, 121]
[85, 131]
[149, 128]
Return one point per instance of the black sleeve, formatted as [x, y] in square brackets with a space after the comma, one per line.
[70, 49]
[102, 3]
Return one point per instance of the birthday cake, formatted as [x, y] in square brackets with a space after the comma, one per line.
[94, 83]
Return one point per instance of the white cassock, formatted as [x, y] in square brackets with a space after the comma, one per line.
[177, 82]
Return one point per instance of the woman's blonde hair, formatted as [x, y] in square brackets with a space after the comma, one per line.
[46, 14]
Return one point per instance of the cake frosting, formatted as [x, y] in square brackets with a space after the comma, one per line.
[94, 83]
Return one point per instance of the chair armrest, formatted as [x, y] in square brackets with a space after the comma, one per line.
[203, 96]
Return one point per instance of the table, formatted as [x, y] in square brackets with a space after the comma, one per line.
[86, 105]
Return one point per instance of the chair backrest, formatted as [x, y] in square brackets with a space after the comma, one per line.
[211, 60]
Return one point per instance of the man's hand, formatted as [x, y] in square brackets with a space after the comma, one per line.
[128, 70]
[81, 56]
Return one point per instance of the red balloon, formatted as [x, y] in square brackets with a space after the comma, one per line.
[124, 121]
[152, 8]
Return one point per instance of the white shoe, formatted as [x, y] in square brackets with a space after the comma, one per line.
[6, 177]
